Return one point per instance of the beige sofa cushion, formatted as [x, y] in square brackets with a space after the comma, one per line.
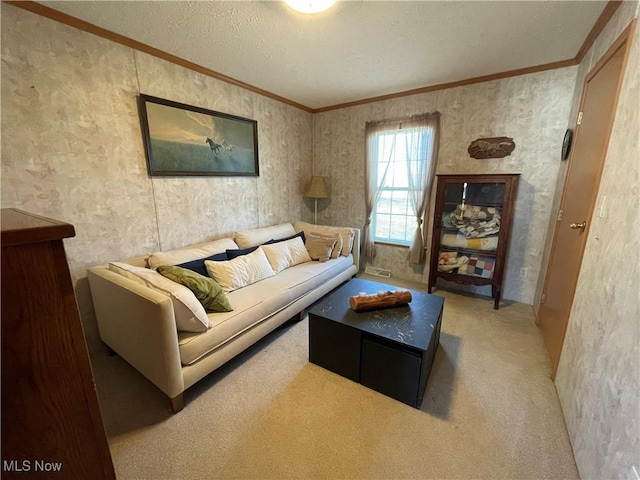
[258, 302]
[189, 313]
[240, 271]
[258, 236]
[194, 252]
[286, 254]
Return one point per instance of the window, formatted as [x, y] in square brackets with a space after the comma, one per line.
[400, 160]
[397, 154]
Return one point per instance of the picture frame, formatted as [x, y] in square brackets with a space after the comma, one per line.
[182, 139]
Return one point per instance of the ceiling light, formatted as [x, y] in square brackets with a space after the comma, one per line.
[310, 6]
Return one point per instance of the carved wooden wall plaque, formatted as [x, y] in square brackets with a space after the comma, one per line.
[496, 147]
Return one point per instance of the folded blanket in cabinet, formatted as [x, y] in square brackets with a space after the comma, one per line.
[448, 261]
[478, 267]
[479, 243]
[473, 221]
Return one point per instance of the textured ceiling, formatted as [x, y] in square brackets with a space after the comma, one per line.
[356, 50]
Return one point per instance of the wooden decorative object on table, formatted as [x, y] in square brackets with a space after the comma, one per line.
[375, 301]
[496, 147]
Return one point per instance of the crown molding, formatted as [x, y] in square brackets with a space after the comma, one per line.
[602, 21]
[58, 16]
[443, 86]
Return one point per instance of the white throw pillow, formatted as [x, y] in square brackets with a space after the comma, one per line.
[189, 312]
[286, 254]
[240, 271]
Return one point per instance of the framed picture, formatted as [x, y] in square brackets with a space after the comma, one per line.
[184, 140]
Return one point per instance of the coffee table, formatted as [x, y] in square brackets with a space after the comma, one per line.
[390, 350]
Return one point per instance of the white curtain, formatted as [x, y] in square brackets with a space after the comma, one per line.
[422, 151]
[374, 177]
[422, 156]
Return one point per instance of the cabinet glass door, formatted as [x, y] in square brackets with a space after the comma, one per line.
[471, 217]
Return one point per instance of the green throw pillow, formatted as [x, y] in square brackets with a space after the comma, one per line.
[206, 289]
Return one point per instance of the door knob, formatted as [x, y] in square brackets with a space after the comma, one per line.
[578, 226]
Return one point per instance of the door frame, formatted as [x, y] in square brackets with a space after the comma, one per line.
[624, 40]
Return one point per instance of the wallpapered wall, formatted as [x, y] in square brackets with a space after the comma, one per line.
[533, 109]
[598, 378]
[72, 149]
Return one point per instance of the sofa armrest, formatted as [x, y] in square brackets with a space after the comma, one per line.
[138, 323]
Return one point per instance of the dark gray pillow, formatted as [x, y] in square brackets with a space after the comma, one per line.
[198, 265]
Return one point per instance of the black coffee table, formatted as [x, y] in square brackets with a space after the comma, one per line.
[390, 350]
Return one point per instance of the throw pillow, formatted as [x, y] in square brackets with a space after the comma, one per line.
[238, 252]
[348, 236]
[299, 234]
[198, 265]
[320, 248]
[286, 254]
[188, 311]
[337, 249]
[241, 271]
[206, 290]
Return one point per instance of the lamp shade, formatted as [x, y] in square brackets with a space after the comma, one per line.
[318, 188]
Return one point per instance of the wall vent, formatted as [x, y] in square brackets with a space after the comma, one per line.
[378, 272]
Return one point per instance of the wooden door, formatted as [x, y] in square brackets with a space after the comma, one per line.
[595, 121]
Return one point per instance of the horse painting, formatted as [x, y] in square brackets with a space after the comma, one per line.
[215, 147]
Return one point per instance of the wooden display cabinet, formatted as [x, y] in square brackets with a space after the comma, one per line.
[471, 227]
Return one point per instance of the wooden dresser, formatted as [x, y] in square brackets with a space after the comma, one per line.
[51, 421]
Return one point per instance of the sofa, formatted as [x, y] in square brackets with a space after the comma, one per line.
[160, 327]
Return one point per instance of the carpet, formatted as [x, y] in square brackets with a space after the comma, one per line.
[490, 411]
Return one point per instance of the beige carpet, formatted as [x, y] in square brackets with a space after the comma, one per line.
[490, 412]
